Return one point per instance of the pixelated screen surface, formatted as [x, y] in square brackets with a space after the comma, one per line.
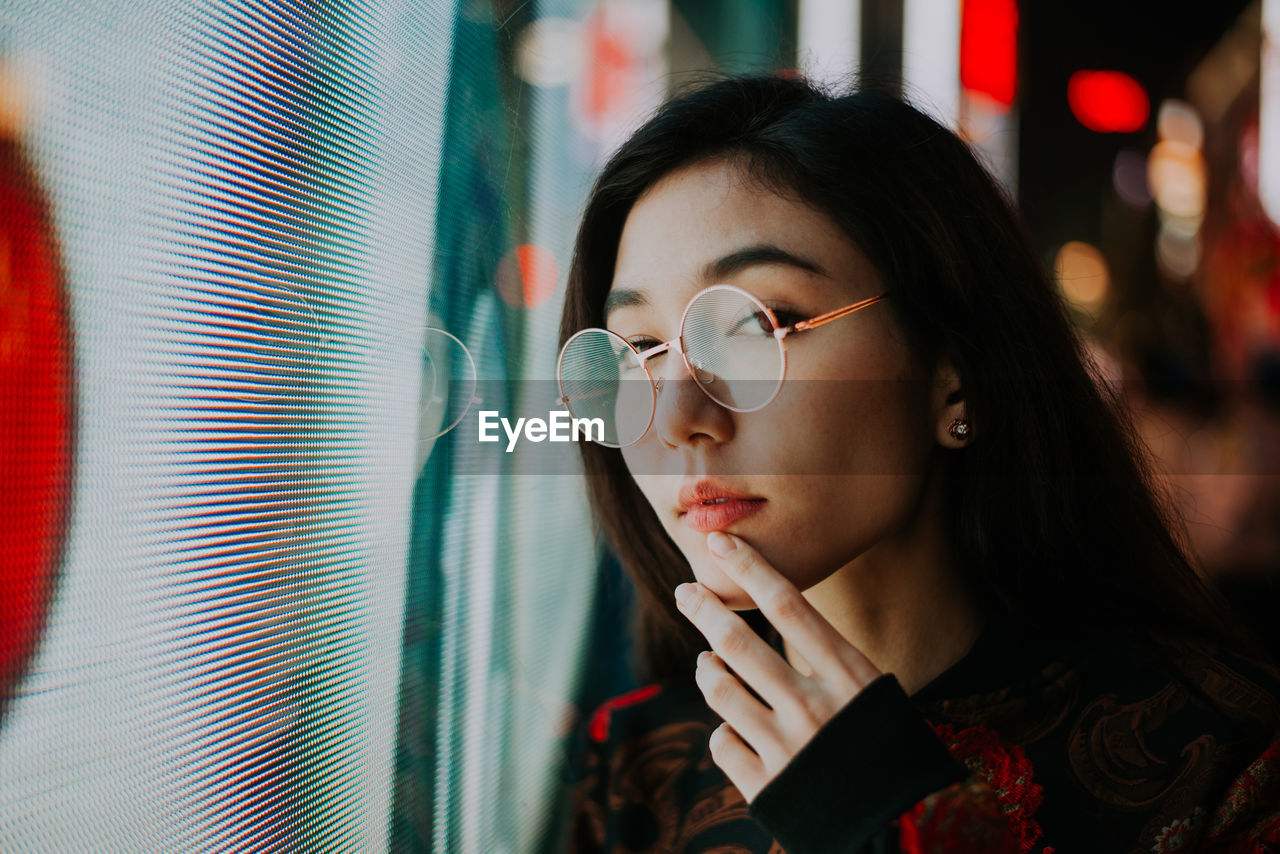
[261, 603]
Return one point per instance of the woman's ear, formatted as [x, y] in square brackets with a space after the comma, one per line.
[952, 428]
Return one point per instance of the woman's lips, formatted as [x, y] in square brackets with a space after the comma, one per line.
[706, 518]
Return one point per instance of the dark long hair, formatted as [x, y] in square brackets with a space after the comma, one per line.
[1052, 507]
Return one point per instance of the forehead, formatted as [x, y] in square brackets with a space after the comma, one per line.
[700, 215]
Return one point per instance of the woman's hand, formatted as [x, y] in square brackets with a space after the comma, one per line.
[757, 740]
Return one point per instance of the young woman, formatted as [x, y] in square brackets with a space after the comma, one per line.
[903, 584]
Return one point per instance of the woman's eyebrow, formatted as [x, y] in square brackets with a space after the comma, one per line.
[623, 298]
[720, 269]
[762, 253]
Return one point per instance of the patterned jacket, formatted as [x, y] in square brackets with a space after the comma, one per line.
[1084, 741]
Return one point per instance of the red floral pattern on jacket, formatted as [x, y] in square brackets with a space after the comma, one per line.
[995, 808]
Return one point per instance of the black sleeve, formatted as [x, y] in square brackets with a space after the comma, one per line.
[866, 766]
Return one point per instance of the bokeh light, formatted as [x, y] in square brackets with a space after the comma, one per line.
[989, 49]
[1177, 253]
[549, 52]
[1108, 101]
[1129, 178]
[1082, 275]
[1179, 121]
[1175, 172]
[527, 276]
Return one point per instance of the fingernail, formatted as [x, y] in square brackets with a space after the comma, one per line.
[721, 543]
[704, 657]
[684, 592]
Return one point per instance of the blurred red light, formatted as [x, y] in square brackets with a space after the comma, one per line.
[1108, 101]
[36, 414]
[527, 276]
[537, 273]
[989, 48]
[610, 58]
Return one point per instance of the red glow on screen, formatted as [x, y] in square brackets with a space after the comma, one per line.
[611, 60]
[1108, 101]
[989, 49]
[537, 273]
[35, 414]
[527, 276]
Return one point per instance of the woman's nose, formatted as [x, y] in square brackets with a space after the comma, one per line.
[684, 415]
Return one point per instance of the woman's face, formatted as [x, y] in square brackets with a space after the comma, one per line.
[835, 465]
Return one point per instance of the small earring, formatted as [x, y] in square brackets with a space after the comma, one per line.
[959, 429]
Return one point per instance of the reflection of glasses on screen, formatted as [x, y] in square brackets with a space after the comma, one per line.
[731, 343]
[448, 384]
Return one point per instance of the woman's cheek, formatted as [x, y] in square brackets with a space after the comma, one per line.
[651, 487]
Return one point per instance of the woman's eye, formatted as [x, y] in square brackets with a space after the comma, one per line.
[785, 318]
[762, 322]
[643, 344]
[758, 321]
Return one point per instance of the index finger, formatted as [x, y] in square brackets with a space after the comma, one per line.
[799, 623]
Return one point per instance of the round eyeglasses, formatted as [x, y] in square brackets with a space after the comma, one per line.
[731, 343]
[448, 384]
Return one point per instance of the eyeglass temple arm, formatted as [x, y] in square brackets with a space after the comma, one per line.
[814, 322]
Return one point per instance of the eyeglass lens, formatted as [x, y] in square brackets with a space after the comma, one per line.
[448, 384]
[728, 341]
